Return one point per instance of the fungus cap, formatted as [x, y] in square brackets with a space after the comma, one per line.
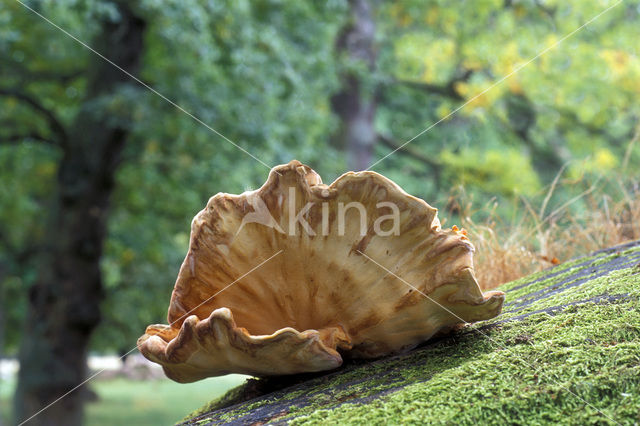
[293, 276]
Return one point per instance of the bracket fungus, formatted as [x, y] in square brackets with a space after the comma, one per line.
[296, 275]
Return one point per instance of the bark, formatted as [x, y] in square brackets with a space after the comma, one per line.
[355, 105]
[64, 303]
[2, 317]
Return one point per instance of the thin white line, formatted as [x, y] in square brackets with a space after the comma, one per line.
[498, 82]
[135, 347]
[416, 289]
[484, 334]
[146, 85]
[279, 251]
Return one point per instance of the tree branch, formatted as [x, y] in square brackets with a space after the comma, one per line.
[412, 153]
[572, 118]
[16, 138]
[549, 11]
[19, 256]
[448, 89]
[407, 150]
[18, 70]
[55, 124]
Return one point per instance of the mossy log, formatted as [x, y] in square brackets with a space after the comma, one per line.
[565, 350]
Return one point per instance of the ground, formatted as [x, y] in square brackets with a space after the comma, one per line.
[123, 401]
[566, 350]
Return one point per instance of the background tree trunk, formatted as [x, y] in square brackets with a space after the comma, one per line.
[64, 303]
[355, 104]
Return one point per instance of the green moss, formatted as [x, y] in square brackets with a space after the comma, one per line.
[569, 366]
[624, 283]
[572, 356]
[605, 259]
[562, 268]
[515, 295]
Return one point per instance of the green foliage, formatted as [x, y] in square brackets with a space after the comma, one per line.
[577, 103]
[503, 172]
[262, 73]
[243, 68]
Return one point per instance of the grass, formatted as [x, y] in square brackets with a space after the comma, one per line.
[573, 217]
[6, 391]
[603, 214]
[140, 403]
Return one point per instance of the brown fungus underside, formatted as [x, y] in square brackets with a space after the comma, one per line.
[273, 296]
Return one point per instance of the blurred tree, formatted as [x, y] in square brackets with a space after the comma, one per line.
[259, 72]
[575, 103]
[243, 67]
[64, 303]
[355, 103]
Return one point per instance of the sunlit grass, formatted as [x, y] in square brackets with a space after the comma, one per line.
[140, 403]
[6, 389]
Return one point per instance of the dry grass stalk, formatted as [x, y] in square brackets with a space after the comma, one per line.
[538, 240]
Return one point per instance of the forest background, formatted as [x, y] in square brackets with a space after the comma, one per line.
[106, 173]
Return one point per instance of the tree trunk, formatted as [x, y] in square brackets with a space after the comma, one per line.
[355, 104]
[2, 317]
[64, 303]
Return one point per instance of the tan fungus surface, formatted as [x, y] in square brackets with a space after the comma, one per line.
[320, 298]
